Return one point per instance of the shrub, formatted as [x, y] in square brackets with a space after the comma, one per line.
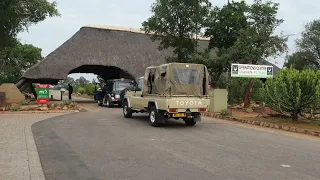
[258, 92]
[15, 107]
[293, 92]
[81, 90]
[224, 112]
[26, 102]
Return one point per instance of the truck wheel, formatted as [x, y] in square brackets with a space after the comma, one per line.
[154, 117]
[127, 112]
[109, 103]
[100, 103]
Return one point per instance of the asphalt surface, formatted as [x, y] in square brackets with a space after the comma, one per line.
[102, 144]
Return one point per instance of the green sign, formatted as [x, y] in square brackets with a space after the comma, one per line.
[43, 93]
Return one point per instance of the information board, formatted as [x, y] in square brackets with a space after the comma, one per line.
[251, 71]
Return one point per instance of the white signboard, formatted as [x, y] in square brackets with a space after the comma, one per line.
[251, 71]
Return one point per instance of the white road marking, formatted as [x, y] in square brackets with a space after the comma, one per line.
[285, 165]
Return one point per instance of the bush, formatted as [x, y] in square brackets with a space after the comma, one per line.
[81, 90]
[258, 92]
[26, 102]
[89, 89]
[15, 107]
[224, 112]
[294, 92]
[237, 89]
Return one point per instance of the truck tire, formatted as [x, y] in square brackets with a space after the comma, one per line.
[100, 103]
[127, 112]
[109, 103]
[154, 117]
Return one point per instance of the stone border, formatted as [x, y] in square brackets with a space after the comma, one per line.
[264, 124]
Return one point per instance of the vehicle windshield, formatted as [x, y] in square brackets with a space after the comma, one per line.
[119, 86]
[187, 76]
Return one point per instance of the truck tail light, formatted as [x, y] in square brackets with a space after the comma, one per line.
[172, 110]
[202, 109]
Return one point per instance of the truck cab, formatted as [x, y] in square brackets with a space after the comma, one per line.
[173, 90]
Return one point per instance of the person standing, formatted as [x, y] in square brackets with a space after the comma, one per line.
[70, 89]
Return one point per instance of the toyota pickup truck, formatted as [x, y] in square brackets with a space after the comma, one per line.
[173, 90]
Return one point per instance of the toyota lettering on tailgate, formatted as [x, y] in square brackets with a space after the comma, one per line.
[191, 103]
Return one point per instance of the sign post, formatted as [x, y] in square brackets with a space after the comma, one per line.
[251, 71]
[43, 92]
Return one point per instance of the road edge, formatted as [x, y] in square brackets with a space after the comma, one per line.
[264, 124]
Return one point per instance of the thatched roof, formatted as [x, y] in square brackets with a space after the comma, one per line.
[129, 49]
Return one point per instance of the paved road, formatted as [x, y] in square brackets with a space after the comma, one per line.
[18, 153]
[57, 95]
[104, 145]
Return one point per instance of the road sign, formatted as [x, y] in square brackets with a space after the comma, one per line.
[43, 93]
[251, 71]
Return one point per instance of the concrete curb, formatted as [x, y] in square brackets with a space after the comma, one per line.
[37, 112]
[264, 124]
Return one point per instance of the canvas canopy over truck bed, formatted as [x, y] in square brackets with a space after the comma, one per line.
[176, 79]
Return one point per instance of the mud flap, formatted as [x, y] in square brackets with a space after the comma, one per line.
[161, 117]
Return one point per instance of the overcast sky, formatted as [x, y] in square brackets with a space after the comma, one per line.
[52, 32]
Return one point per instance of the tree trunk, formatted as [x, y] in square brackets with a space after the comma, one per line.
[247, 98]
[33, 91]
[295, 116]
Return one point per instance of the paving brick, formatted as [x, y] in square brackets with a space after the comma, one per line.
[19, 157]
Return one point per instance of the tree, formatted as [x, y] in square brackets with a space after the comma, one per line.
[257, 42]
[223, 27]
[18, 15]
[18, 59]
[175, 23]
[15, 17]
[302, 60]
[294, 92]
[308, 48]
[64, 83]
[82, 81]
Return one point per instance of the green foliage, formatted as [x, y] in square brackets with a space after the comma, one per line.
[15, 107]
[236, 90]
[66, 103]
[89, 89]
[225, 23]
[258, 42]
[82, 81]
[81, 90]
[18, 15]
[307, 55]
[15, 17]
[175, 23]
[64, 83]
[302, 60]
[258, 92]
[238, 86]
[17, 60]
[293, 92]
[224, 112]
[26, 102]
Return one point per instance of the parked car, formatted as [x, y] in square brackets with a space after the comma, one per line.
[113, 92]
